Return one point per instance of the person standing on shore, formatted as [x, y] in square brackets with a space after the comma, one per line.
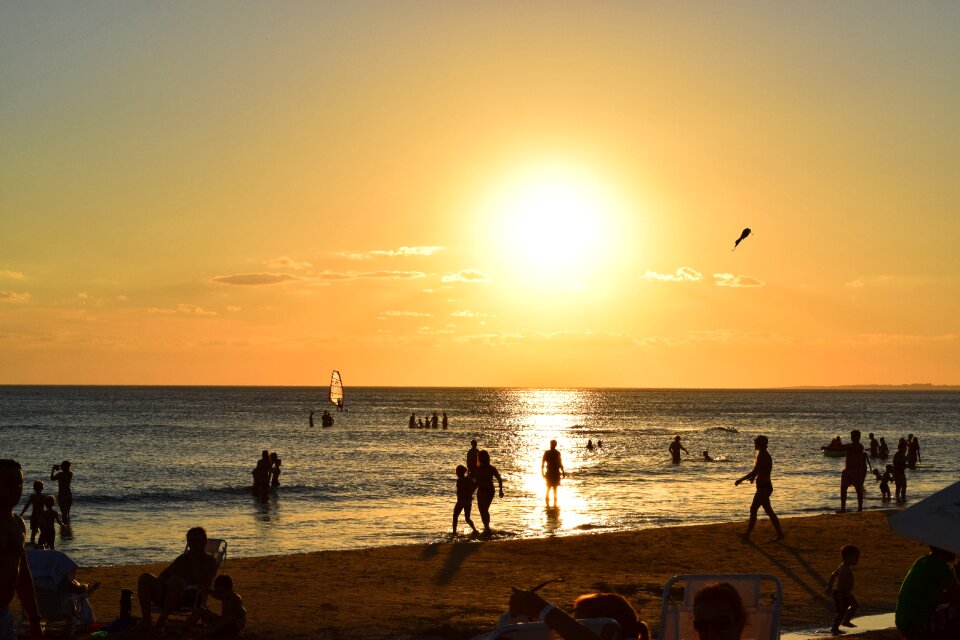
[551, 468]
[760, 475]
[62, 474]
[854, 471]
[675, 449]
[15, 578]
[485, 474]
[840, 586]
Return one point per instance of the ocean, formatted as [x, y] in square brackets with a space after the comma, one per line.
[150, 462]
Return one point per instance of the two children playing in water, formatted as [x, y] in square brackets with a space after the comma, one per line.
[42, 518]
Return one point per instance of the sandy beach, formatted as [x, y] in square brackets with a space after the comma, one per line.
[457, 590]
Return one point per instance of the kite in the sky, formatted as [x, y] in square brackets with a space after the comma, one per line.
[743, 235]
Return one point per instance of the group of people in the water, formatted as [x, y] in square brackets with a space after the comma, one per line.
[44, 516]
[267, 473]
[427, 421]
[326, 420]
[676, 447]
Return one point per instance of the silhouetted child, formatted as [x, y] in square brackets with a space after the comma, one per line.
[48, 532]
[275, 463]
[843, 600]
[465, 489]
[232, 618]
[706, 456]
[884, 480]
[35, 501]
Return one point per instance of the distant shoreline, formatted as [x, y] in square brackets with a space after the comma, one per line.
[850, 387]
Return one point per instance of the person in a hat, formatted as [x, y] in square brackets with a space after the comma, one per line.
[760, 476]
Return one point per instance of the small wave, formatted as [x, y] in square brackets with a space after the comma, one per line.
[206, 495]
[724, 429]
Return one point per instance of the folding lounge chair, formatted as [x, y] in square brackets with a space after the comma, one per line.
[606, 628]
[194, 597]
[52, 573]
[762, 595]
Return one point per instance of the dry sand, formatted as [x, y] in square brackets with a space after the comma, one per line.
[457, 590]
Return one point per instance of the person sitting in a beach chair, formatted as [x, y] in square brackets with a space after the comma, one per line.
[194, 567]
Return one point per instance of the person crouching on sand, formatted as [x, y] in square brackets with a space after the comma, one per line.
[232, 618]
[465, 489]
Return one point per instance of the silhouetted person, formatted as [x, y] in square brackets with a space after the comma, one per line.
[843, 601]
[434, 421]
[444, 419]
[900, 470]
[884, 479]
[473, 460]
[874, 446]
[419, 423]
[232, 618]
[49, 518]
[275, 463]
[311, 418]
[413, 421]
[761, 477]
[484, 477]
[589, 444]
[884, 452]
[706, 456]
[35, 501]
[62, 474]
[15, 575]
[551, 468]
[929, 583]
[718, 612]
[589, 605]
[465, 489]
[261, 474]
[913, 451]
[339, 404]
[193, 567]
[326, 420]
[676, 448]
[599, 444]
[854, 471]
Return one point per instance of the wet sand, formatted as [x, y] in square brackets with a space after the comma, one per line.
[457, 590]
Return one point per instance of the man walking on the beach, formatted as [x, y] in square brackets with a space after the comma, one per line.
[14, 571]
[551, 468]
[761, 477]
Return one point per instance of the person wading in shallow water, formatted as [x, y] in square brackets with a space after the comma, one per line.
[485, 474]
[551, 468]
[761, 477]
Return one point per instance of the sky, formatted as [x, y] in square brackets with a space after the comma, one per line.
[479, 194]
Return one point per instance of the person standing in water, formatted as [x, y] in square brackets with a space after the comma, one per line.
[900, 470]
[485, 474]
[311, 419]
[884, 452]
[444, 419]
[854, 471]
[913, 451]
[761, 477]
[874, 447]
[62, 474]
[473, 460]
[676, 448]
[551, 468]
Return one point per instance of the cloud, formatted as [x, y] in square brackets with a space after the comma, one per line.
[283, 262]
[466, 313]
[471, 276]
[392, 253]
[13, 297]
[854, 284]
[182, 309]
[740, 282]
[394, 313]
[682, 274]
[381, 275]
[12, 275]
[254, 279]
[233, 309]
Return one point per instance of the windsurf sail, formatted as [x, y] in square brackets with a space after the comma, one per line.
[336, 388]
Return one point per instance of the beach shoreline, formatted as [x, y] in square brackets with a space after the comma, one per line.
[459, 589]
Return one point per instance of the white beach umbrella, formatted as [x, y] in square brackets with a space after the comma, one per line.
[935, 520]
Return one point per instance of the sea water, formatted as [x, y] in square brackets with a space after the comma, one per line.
[150, 462]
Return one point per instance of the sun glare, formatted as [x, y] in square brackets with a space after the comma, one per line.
[555, 225]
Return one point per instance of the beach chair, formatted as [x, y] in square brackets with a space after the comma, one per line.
[52, 573]
[194, 596]
[762, 595]
[606, 628]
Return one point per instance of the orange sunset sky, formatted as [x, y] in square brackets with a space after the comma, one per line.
[516, 194]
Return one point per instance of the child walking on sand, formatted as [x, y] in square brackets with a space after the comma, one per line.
[48, 518]
[232, 618]
[465, 489]
[35, 501]
[843, 600]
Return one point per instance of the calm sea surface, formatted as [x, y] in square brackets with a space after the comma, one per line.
[150, 462]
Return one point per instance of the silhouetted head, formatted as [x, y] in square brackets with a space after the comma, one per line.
[882, 441]
[611, 605]
[760, 442]
[197, 539]
[224, 583]
[870, 435]
[38, 486]
[484, 458]
[11, 483]
[909, 437]
[473, 444]
[49, 501]
[65, 465]
[553, 444]
[901, 445]
[265, 454]
[718, 613]
[461, 471]
[273, 457]
[855, 435]
[677, 439]
[850, 553]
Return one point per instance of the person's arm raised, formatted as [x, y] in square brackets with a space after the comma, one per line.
[534, 607]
